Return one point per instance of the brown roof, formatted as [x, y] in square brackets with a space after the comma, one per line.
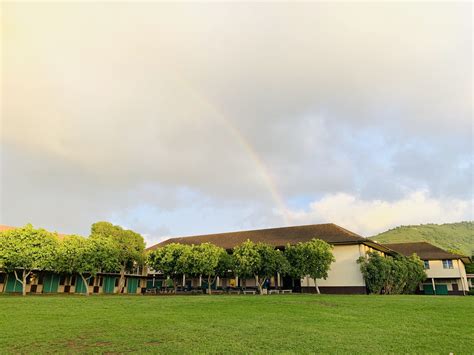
[278, 237]
[4, 228]
[424, 250]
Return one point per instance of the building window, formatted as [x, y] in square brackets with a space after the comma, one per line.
[447, 264]
[426, 264]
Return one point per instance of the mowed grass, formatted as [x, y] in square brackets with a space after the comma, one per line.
[243, 324]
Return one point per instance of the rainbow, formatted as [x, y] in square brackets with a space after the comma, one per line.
[220, 118]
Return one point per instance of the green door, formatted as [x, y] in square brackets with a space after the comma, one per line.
[109, 284]
[81, 287]
[132, 284]
[50, 283]
[441, 289]
[428, 289]
[13, 285]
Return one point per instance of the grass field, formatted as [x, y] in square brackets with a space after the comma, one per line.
[243, 324]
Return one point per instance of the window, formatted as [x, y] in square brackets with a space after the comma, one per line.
[426, 264]
[447, 264]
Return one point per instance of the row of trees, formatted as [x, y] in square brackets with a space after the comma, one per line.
[392, 275]
[258, 260]
[109, 248]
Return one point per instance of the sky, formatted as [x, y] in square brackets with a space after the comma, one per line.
[178, 119]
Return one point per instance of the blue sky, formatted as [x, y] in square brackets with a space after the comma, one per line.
[177, 119]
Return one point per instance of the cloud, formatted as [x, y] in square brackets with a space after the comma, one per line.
[142, 113]
[369, 217]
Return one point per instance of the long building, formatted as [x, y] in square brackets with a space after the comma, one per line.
[344, 276]
[446, 271]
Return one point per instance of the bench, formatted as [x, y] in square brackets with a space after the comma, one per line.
[270, 292]
[253, 292]
[217, 292]
[234, 292]
[286, 291]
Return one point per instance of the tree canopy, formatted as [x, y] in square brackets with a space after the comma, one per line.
[130, 246]
[205, 260]
[312, 259]
[27, 249]
[86, 257]
[391, 275]
[172, 260]
[259, 260]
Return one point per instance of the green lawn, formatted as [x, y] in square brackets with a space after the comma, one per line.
[243, 324]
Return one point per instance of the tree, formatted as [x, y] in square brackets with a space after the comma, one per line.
[206, 258]
[27, 249]
[376, 270]
[311, 258]
[391, 275]
[86, 257]
[415, 273]
[130, 246]
[260, 260]
[171, 260]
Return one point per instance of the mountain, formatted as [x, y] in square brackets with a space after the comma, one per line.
[457, 236]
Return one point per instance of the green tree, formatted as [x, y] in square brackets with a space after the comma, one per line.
[130, 246]
[260, 261]
[376, 270]
[415, 273]
[391, 275]
[204, 261]
[86, 257]
[311, 259]
[27, 249]
[171, 260]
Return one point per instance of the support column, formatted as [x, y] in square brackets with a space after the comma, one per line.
[278, 280]
[184, 280]
[434, 287]
[236, 281]
[200, 280]
[217, 282]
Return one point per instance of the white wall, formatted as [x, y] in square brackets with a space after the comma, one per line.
[344, 271]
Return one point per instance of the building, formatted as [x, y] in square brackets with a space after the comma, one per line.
[50, 282]
[344, 277]
[446, 271]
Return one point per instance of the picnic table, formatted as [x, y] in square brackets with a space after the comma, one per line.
[253, 292]
[286, 291]
[270, 292]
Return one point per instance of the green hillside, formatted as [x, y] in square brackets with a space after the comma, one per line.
[458, 236]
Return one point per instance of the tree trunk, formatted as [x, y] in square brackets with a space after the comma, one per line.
[259, 285]
[316, 285]
[121, 284]
[24, 275]
[85, 284]
[209, 288]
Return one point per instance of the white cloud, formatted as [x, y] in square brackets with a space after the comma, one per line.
[369, 217]
[113, 107]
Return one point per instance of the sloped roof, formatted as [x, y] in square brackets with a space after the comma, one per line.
[4, 228]
[278, 237]
[424, 250]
